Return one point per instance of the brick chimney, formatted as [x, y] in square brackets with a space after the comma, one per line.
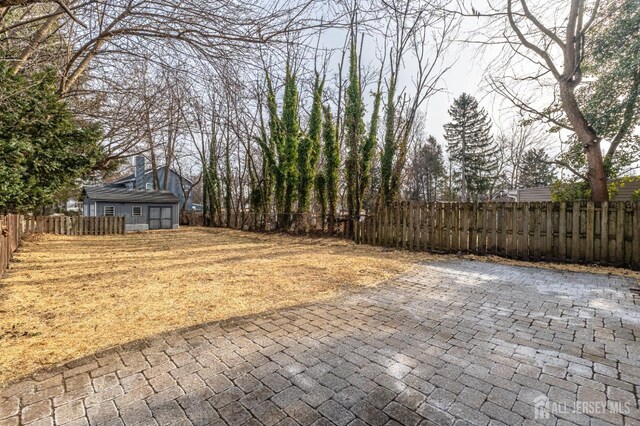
[139, 173]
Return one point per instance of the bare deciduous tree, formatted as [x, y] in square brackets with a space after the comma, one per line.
[552, 40]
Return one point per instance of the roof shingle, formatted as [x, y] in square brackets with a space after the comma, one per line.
[123, 195]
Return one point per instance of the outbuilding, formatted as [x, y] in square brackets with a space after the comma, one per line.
[142, 209]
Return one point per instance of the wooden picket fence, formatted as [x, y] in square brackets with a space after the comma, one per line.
[580, 232]
[9, 239]
[74, 225]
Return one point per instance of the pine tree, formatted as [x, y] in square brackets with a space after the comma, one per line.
[535, 169]
[472, 150]
[426, 171]
[309, 148]
[332, 165]
[354, 125]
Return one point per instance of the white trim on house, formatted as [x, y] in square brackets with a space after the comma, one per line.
[136, 210]
[112, 210]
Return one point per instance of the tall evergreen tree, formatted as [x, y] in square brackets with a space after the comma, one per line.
[332, 165]
[309, 148]
[354, 125]
[370, 144]
[44, 151]
[291, 134]
[427, 171]
[281, 147]
[321, 195]
[273, 146]
[535, 169]
[389, 147]
[472, 150]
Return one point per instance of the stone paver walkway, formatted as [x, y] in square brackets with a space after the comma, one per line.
[455, 342]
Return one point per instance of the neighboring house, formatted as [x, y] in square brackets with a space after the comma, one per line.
[543, 193]
[142, 209]
[73, 205]
[142, 178]
[526, 195]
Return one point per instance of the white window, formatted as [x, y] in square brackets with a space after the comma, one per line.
[149, 186]
[109, 211]
[136, 211]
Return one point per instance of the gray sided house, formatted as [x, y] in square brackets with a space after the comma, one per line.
[625, 192]
[142, 179]
[143, 210]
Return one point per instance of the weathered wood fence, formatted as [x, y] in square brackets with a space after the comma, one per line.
[9, 239]
[74, 225]
[13, 227]
[580, 232]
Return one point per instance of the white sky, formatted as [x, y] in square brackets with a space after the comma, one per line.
[465, 75]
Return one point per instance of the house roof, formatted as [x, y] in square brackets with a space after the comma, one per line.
[123, 195]
[132, 177]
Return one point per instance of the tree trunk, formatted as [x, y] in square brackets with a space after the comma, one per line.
[596, 175]
[590, 142]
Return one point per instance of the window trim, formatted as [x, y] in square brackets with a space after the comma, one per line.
[149, 186]
[133, 211]
[113, 209]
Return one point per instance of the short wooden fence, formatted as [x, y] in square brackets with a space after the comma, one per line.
[582, 232]
[9, 239]
[74, 225]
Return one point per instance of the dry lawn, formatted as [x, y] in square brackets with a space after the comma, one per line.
[66, 297]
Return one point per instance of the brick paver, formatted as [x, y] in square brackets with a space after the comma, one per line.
[454, 342]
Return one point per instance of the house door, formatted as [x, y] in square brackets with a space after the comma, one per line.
[160, 218]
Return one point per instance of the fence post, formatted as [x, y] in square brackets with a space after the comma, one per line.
[464, 238]
[413, 222]
[446, 226]
[635, 241]
[549, 231]
[482, 245]
[575, 232]
[619, 233]
[590, 235]
[416, 223]
[397, 224]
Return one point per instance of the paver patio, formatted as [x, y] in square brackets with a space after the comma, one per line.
[453, 342]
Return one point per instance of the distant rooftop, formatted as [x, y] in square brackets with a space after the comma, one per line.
[132, 177]
[123, 195]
